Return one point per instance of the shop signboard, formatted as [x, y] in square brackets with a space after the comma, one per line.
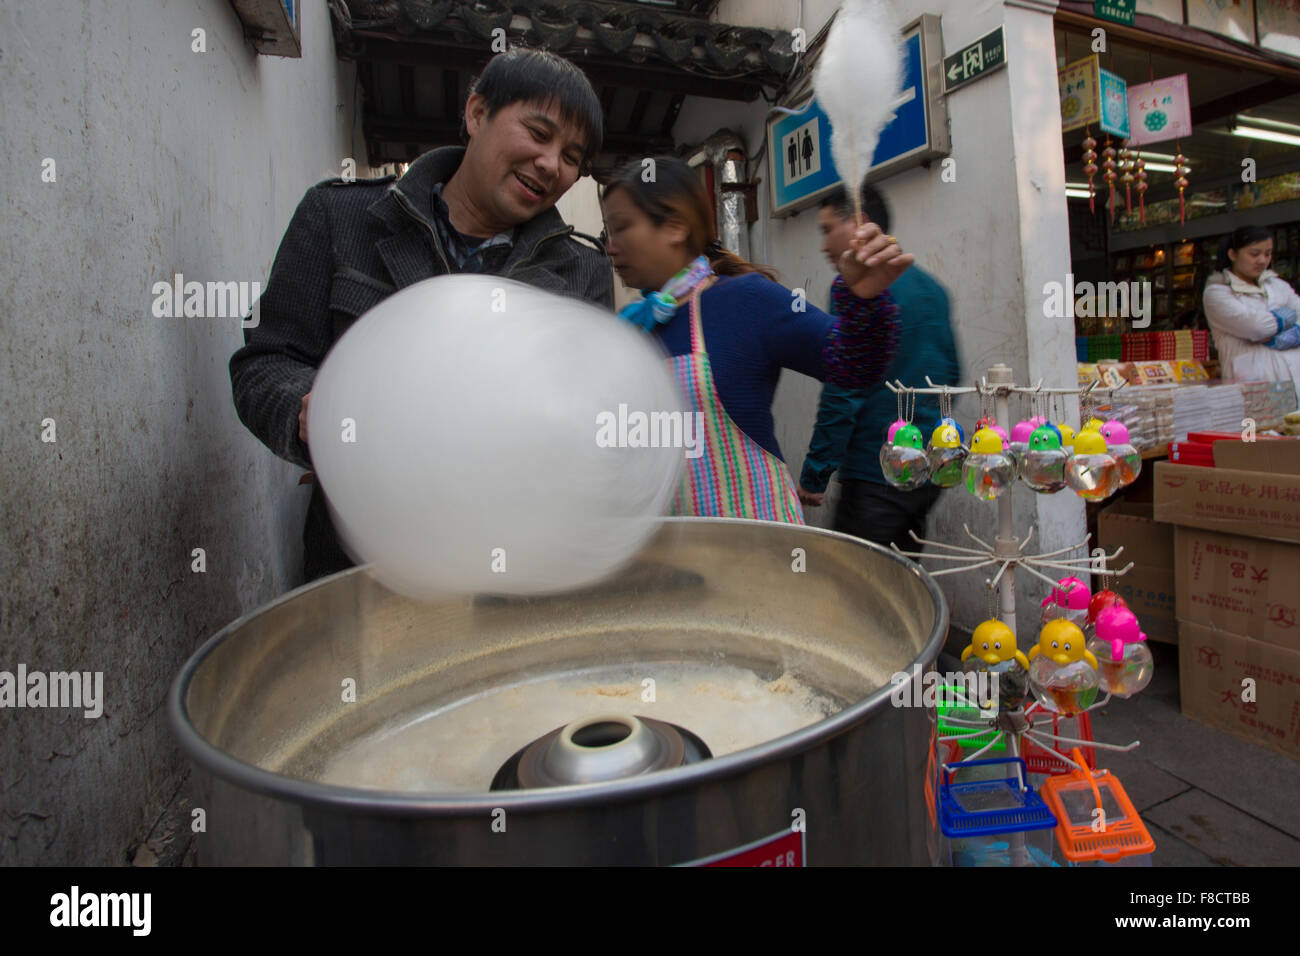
[1229, 18]
[1159, 110]
[1091, 95]
[1278, 22]
[1117, 11]
[800, 167]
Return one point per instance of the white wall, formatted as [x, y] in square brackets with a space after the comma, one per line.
[993, 237]
[167, 160]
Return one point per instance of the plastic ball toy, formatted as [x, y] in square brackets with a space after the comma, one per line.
[1019, 443]
[993, 650]
[987, 471]
[946, 454]
[1102, 600]
[1092, 425]
[1068, 601]
[1092, 472]
[1066, 433]
[961, 432]
[1120, 446]
[904, 462]
[1124, 660]
[893, 430]
[1062, 671]
[1042, 466]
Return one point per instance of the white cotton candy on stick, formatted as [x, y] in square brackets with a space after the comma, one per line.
[858, 80]
[475, 465]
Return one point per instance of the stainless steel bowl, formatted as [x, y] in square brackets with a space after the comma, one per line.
[714, 630]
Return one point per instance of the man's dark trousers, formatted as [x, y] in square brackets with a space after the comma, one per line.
[881, 514]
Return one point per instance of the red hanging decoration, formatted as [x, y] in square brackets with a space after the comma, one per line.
[1090, 168]
[1109, 175]
[1126, 164]
[1181, 170]
[1141, 187]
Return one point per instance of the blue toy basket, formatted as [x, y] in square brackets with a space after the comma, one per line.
[987, 807]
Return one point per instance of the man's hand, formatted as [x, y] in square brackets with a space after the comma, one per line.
[810, 499]
[302, 418]
[873, 261]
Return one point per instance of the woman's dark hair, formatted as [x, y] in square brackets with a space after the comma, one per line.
[1238, 239]
[538, 76]
[873, 204]
[666, 188]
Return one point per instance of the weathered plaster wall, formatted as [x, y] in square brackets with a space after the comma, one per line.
[166, 161]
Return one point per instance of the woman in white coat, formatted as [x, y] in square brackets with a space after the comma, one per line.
[1253, 312]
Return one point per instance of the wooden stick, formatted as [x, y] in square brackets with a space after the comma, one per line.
[856, 187]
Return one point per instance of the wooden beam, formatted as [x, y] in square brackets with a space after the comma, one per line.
[1171, 39]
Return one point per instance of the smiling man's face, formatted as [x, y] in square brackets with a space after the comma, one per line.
[520, 160]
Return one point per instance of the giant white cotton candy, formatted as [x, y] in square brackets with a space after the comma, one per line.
[454, 431]
[858, 81]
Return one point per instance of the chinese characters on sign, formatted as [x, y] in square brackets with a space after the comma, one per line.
[1159, 110]
[1091, 95]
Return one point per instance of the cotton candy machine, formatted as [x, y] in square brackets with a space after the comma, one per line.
[726, 696]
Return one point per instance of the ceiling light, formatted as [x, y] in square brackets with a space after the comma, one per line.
[1076, 194]
[1164, 167]
[1259, 121]
[1289, 139]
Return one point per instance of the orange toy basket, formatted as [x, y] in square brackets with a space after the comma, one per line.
[1074, 799]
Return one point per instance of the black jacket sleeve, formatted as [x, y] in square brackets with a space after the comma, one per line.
[277, 365]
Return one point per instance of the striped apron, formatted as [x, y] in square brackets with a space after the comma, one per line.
[735, 477]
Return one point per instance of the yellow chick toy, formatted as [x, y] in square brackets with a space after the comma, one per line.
[1062, 641]
[1093, 425]
[993, 642]
[1067, 435]
[945, 436]
[986, 442]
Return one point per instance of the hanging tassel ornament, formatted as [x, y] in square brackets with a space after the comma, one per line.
[1141, 186]
[1126, 164]
[1109, 175]
[1090, 168]
[1181, 170]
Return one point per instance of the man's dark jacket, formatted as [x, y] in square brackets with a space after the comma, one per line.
[348, 247]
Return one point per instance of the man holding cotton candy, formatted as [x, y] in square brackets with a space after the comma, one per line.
[532, 125]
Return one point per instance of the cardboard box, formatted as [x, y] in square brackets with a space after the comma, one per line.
[1249, 586]
[1279, 456]
[1212, 669]
[1149, 588]
[1257, 504]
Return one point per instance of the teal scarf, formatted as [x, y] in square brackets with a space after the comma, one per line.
[658, 307]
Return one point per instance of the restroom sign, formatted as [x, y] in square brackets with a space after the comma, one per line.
[801, 151]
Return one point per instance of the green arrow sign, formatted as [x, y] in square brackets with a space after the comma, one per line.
[977, 60]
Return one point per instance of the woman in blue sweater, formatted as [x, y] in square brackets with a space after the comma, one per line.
[730, 329]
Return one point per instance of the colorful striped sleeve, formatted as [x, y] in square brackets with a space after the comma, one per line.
[864, 340]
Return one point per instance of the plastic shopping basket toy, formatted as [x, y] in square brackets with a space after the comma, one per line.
[1097, 821]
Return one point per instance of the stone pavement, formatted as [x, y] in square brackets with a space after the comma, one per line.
[1208, 798]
